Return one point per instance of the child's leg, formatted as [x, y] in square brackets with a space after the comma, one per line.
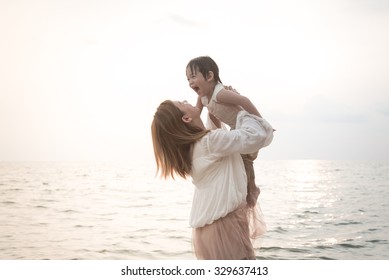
[252, 189]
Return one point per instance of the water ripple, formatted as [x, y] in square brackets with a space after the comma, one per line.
[314, 210]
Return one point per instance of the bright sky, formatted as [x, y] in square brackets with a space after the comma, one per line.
[81, 79]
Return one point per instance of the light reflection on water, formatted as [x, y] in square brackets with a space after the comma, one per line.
[325, 209]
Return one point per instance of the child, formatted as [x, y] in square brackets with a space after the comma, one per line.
[223, 105]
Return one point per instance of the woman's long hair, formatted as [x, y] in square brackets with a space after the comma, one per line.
[173, 140]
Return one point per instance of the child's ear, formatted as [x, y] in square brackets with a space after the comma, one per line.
[210, 76]
[186, 119]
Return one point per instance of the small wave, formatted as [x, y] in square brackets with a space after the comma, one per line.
[297, 250]
[293, 250]
[39, 224]
[347, 245]
[377, 241]
[82, 226]
[46, 200]
[279, 230]
[310, 212]
[121, 251]
[176, 237]
[272, 257]
[274, 248]
[139, 206]
[323, 247]
[348, 223]
[306, 213]
[325, 258]
[107, 216]
[70, 211]
[169, 219]
[12, 189]
[8, 202]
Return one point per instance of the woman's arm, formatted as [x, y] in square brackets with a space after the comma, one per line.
[251, 134]
[215, 121]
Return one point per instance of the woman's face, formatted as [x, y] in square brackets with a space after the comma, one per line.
[188, 110]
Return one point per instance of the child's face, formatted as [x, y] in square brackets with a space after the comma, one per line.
[201, 85]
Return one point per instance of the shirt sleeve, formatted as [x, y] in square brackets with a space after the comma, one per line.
[250, 135]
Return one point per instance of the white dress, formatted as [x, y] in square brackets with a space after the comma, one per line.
[226, 113]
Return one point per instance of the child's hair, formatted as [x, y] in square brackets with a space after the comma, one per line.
[173, 140]
[204, 64]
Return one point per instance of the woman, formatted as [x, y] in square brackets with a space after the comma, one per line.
[184, 147]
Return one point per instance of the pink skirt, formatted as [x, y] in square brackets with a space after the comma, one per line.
[230, 237]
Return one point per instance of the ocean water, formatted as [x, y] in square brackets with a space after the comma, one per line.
[121, 211]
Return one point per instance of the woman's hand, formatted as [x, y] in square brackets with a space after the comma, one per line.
[231, 89]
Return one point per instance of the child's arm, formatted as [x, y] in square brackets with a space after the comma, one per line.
[231, 97]
[199, 104]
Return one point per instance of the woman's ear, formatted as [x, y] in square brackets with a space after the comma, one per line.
[186, 119]
[210, 76]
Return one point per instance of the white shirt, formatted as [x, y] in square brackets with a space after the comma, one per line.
[217, 167]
